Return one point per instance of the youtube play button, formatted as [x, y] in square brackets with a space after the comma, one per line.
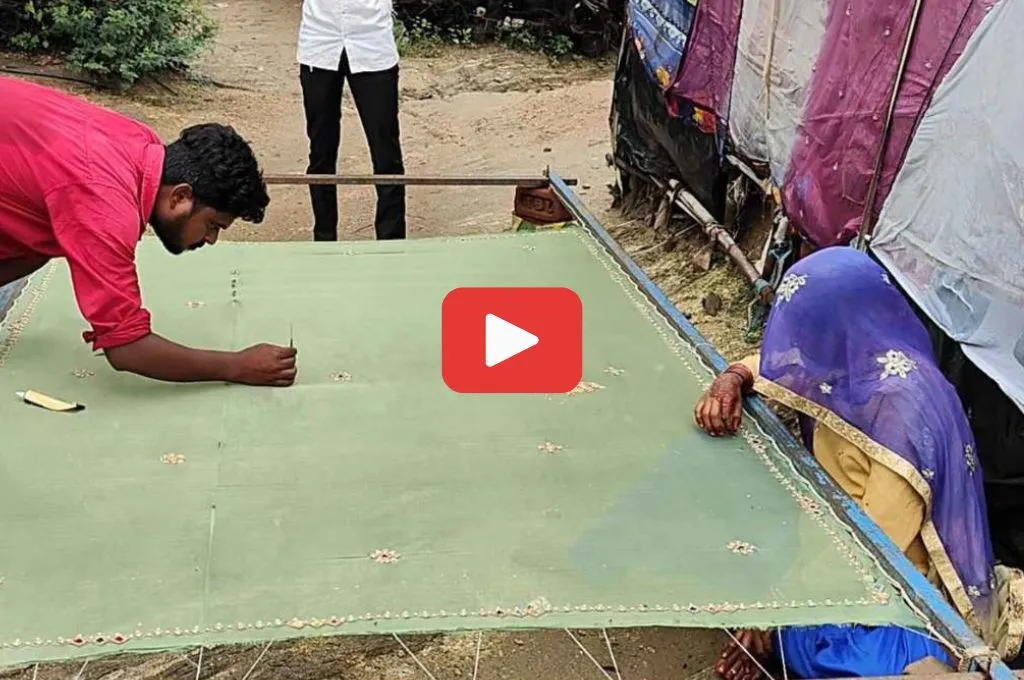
[512, 340]
[503, 340]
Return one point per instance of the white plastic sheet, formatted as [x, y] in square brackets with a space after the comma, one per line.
[763, 121]
[952, 229]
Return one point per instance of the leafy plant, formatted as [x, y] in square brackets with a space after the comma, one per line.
[117, 40]
[417, 36]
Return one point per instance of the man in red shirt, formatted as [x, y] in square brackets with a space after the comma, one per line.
[81, 182]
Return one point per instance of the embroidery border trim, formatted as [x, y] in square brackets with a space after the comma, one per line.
[15, 328]
[518, 612]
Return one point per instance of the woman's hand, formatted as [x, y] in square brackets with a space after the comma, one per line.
[720, 410]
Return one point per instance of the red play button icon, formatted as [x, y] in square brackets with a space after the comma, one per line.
[512, 340]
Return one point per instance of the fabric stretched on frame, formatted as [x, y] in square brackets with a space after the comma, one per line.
[368, 498]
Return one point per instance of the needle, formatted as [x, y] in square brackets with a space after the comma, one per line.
[291, 336]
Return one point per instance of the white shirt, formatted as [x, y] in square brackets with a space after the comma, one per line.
[361, 28]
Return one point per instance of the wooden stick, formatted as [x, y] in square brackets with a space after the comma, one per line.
[532, 182]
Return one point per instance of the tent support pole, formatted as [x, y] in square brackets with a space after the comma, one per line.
[867, 218]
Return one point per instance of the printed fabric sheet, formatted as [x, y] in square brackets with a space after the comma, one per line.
[369, 498]
[660, 29]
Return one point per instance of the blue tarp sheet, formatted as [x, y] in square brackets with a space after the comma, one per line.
[660, 29]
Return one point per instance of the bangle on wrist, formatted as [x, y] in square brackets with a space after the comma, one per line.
[745, 375]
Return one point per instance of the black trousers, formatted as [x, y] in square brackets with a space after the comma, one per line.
[376, 97]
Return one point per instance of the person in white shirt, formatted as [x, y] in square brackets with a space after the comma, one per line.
[351, 40]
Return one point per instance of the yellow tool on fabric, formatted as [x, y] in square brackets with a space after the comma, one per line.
[49, 403]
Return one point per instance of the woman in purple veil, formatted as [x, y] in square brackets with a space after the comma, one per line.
[844, 349]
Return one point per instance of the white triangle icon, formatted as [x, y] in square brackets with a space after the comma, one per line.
[503, 340]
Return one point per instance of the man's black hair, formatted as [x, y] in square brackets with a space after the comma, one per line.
[221, 169]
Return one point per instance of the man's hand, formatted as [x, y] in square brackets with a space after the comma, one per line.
[265, 364]
[160, 359]
[720, 410]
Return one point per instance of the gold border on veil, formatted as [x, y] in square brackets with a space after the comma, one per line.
[951, 581]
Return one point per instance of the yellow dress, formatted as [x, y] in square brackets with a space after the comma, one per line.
[885, 497]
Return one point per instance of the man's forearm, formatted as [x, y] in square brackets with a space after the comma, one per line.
[160, 359]
[12, 270]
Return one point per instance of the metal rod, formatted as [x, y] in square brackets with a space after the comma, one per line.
[916, 587]
[531, 182]
[867, 218]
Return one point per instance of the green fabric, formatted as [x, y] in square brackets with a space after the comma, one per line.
[267, 527]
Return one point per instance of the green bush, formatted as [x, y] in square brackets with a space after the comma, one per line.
[117, 40]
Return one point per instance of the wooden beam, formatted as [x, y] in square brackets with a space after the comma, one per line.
[532, 182]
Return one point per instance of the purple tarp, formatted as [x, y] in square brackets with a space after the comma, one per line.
[833, 155]
[705, 77]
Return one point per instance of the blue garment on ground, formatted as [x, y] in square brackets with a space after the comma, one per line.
[853, 651]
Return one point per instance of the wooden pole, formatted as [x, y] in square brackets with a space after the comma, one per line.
[867, 218]
[715, 232]
[532, 182]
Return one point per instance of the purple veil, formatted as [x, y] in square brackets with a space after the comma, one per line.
[843, 346]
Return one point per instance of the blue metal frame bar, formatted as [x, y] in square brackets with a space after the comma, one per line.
[917, 588]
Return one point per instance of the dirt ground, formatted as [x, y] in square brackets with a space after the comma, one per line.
[464, 111]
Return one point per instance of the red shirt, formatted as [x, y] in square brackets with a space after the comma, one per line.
[79, 181]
